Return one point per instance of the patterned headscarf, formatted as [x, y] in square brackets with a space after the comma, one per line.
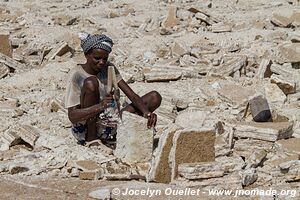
[89, 42]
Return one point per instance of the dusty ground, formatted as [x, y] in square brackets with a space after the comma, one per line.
[27, 94]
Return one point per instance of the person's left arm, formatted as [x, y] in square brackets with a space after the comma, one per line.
[138, 103]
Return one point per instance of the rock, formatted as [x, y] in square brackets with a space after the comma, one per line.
[74, 172]
[264, 69]
[221, 28]
[11, 63]
[9, 138]
[171, 20]
[87, 165]
[231, 164]
[281, 21]
[249, 176]
[268, 131]
[232, 65]
[205, 170]
[259, 108]
[235, 95]
[256, 158]
[160, 170]
[29, 134]
[162, 74]
[191, 146]
[89, 175]
[245, 147]
[204, 18]
[196, 119]
[4, 70]
[295, 18]
[285, 70]
[16, 169]
[222, 147]
[102, 193]
[296, 131]
[59, 50]
[291, 145]
[134, 139]
[56, 105]
[119, 177]
[274, 95]
[178, 49]
[5, 44]
[288, 53]
[287, 85]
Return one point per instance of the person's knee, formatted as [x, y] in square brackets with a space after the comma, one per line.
[156, 97]
[91, 84]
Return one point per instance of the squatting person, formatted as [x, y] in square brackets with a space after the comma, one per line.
[86, 95]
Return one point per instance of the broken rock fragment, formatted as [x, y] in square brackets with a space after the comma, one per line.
[280, 20]
[11, 63]
[4, 70]
[160, 170]
[287, 85]
[5, 44]
[59, 50]
[29, 134]
[221, 27]
[264, 70]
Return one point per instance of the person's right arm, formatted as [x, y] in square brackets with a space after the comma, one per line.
[77, 114]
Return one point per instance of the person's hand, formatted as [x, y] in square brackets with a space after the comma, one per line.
[152, 119]
[106, 101]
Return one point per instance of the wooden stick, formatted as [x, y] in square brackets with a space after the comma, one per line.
[110, 79]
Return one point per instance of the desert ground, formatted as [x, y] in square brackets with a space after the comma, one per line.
[208, 59]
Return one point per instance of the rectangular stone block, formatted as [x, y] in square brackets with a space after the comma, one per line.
[190, 146]
[134, 139]
[89, 175]
[5, 44]
[268, 131]
[160, 170]
[87, 165]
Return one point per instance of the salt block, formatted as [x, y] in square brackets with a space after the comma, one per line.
[160, 170]
[190, 146]
[87, 165]
[267, 131]
[90, 175]
[134, 139]
[5, 45]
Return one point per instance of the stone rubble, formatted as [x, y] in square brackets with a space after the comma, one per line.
[207, 59]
